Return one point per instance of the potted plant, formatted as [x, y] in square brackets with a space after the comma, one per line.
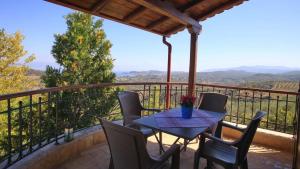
[187, 104]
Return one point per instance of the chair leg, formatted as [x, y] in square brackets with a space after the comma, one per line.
[209, 164]
[160, 139]
[111, 165]
[196, 160]
[245, 164]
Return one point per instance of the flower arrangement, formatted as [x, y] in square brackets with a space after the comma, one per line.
[187, 101]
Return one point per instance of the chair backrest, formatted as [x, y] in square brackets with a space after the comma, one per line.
[247, 137]
[127, 146]
[130, 105]
[213, 102]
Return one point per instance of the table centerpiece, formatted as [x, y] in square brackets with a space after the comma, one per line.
[187, 104]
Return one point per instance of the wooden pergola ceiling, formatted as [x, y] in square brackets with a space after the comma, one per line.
[163, 17]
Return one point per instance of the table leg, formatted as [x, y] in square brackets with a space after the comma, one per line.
[185, 143]
[161, 148]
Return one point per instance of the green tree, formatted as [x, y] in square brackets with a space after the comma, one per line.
[13, 64]
[14, 68]
[83, 53]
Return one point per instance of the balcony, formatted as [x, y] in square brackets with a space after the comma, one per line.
[32, 136]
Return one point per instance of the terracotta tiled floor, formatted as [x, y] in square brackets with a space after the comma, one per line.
[97, 157]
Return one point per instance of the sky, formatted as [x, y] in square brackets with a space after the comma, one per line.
[258, 32]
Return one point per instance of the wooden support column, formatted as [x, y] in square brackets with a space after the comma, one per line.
[168, 93]
[194, 31]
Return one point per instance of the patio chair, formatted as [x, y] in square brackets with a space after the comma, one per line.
[230, 155]
[128, 149]
[131, 109]
[215, 102]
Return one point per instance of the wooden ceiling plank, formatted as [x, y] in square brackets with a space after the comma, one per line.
[214, 11]
[190, 5]
[174, 30]
[73, 6]
[99, 5]
[133, 25]
[154, 24]
[168, 9]
[135, 14]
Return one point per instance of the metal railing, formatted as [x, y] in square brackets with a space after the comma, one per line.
[30, 120]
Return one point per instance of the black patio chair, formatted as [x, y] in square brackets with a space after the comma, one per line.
[128, 149]
[215, 102]
[230, 155]
[131, 109]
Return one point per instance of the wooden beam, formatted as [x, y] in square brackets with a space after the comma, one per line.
[99, 5]
[169, 10]
[153, 24]
[135, 14]
[183, 9]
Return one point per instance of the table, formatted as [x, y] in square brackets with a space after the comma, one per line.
[187, 133]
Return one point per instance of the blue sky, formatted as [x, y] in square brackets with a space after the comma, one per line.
[258, 32]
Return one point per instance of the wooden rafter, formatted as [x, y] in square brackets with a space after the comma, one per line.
[167, 9]
[182, 9]
[99, 5]
[135, 14]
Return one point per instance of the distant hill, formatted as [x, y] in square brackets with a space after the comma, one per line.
[260, 69]
[281, 81]
[34, 72]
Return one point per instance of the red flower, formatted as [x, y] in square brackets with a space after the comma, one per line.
[187, 101]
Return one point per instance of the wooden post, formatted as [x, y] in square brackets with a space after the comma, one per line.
[168, 93]
[194, 31]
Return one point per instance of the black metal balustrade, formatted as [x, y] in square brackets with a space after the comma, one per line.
[33, 119]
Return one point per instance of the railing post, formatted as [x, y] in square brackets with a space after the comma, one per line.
[20, 120]
[9, 132]
[296, 160]
[56, 118]
[30, 124]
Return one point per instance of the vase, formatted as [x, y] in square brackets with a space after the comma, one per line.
[186, 112]
[68, 134]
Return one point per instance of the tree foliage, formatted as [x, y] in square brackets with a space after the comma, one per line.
[83, 53]
[13, 64]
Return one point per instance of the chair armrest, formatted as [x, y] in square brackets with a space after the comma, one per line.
[174, 152]
[233, 127]
[206, 135]
[170, 152]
